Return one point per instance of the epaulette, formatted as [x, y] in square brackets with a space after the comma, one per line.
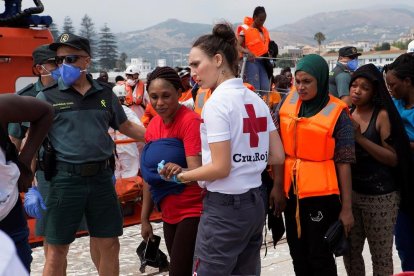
[25, 89]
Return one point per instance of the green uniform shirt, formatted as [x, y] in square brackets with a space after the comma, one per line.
[18, 130]
[339, 79]
[79, 132]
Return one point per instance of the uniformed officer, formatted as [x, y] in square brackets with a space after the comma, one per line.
[340, 76]
[84, 110]
[45, 67]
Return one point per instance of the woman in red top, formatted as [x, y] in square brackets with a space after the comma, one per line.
[180, 212]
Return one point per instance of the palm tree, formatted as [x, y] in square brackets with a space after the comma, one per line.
[319, 37]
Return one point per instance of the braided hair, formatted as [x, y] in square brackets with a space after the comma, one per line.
[165, 73]
[222, 41]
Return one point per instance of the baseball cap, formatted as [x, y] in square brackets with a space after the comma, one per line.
[42, 54]
[132, 69]
[73, 41]
[183, 71]
[349, 51]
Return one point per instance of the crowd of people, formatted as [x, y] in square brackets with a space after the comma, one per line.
[317, 146]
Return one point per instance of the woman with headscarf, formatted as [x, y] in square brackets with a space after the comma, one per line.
[318, 139]
[380, 145]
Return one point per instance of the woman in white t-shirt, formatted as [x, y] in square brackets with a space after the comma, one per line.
[238, 139]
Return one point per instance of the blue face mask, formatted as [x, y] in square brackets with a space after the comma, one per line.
[55, 74]
[70, 74]
[352, 64]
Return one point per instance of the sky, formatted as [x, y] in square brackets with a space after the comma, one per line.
[131, 15]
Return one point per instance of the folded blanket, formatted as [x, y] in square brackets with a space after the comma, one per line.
[170, 150]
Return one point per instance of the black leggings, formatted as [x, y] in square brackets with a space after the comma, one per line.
[310, 254]
[180, 240]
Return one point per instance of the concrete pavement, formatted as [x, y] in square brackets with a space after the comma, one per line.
[276, 262]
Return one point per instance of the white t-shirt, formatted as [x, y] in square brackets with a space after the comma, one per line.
[127, 163]
[235, 113]
[10, 263]
[9, 174]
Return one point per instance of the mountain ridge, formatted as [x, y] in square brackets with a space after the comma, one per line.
[173, 37]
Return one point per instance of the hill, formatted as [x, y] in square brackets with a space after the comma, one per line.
[172, 38]
[348, 25]
[162, 40]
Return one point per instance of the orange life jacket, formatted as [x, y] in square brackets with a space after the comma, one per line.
[202, 96]
[309, 148]
[148, 115]
[255, 42]
[246, 23]
[137, 100]
[186, 95]
[272, 99]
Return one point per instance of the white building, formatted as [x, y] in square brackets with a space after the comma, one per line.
[379, 58]
[143, 65]
[161, 62]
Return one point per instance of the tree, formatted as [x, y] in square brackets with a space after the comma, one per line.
[121, 62]
[54, 30]
[319, 37]
[87, 30]
[68, 25]
[402, 45]
[285, 60]
[385, 46]
[107, 49]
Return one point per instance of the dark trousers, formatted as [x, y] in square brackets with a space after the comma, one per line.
[15, 226]
[230, 234]
[310, 254]
[404, 240]
[180, 240]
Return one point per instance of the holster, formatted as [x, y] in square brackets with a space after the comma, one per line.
[49, 160]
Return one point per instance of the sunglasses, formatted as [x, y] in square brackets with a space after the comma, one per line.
[68, 59]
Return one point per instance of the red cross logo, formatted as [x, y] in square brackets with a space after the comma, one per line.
[253, 125]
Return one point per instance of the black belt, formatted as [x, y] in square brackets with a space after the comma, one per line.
[85, 169]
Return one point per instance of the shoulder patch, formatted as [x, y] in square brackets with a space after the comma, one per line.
[25, 89]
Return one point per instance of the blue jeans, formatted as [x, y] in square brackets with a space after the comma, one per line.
[404, 240]
[15, 226]
[256, 75]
